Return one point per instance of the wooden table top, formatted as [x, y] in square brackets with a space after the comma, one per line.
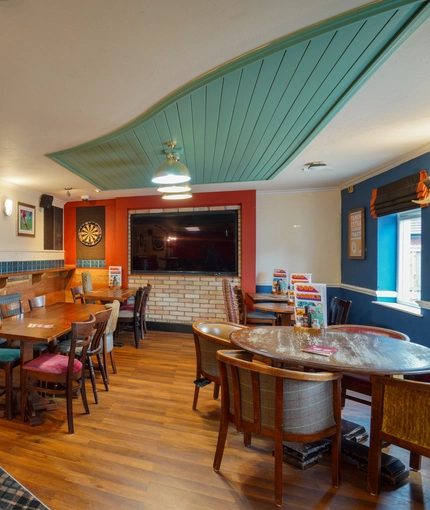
[59, 315]
[110, 294]
[275, 307]
[261, 297]
[357, 352]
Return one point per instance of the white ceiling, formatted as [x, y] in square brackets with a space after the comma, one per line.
[75, 71]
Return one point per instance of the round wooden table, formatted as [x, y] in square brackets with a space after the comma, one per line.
[357, 352]
[284, 310]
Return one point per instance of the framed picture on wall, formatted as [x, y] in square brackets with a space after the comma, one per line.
[356, 233]
[26, 220]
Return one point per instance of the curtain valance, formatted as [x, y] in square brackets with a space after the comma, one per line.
[398, 196]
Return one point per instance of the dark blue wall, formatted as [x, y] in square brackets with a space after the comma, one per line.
[363, 273]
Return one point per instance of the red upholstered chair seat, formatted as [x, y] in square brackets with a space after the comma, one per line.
[52, 364]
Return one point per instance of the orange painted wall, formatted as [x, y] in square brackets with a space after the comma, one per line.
[117, 226]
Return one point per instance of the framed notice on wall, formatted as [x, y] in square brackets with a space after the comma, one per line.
[356, 248]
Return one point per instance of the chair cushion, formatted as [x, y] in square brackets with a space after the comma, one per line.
[127, 307]
[126, 314]
[7, 355]
[52, 364]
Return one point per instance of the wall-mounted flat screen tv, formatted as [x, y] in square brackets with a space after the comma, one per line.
[198, 242]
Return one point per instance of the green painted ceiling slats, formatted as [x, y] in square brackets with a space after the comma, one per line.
[248, 119]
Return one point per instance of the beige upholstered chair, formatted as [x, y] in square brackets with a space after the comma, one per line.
[400, 416]
[276, 403]
[209, 337]
[87, 284]
[108, 342]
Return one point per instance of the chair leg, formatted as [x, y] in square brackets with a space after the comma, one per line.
[278, 468]
[103, 371]
[222, 437]
[216, 391]
[84, 393]
[196, 396]
[112, 360]
[69, 405]
[24, 396]
[415, 461]
[8, 379]
[105, 363]
[93, 379]
[136, 334]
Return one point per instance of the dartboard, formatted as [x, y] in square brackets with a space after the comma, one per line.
[90, 233]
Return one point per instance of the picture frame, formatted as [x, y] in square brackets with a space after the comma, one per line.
[26, 220]
[356, 234]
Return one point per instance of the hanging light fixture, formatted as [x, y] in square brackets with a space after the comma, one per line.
[171, 171]
[175, 188]
[176, 196]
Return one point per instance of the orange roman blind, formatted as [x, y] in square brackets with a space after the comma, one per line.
[398, 195]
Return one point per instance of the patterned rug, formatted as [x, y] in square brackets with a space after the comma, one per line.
[13, 496]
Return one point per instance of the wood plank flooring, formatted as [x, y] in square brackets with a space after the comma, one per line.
[143, 448]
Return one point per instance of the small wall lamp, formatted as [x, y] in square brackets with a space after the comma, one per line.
[8, 207]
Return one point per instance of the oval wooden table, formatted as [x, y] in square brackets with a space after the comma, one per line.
[284, 310]
[267, 297]
[109, 294]
[356, 352]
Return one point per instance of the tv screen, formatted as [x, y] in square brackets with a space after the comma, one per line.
[198, 242]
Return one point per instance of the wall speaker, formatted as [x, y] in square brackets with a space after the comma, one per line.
[46, 201]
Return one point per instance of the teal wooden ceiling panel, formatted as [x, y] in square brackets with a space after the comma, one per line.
[247, 120]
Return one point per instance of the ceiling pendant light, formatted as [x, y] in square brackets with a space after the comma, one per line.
[177, 196]
[175, 188]
[171, 171]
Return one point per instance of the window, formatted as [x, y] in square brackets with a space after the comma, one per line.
[409, 257]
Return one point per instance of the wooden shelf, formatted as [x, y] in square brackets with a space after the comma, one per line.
[36, 276]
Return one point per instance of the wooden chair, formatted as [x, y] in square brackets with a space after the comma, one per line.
[66, 373]
[11, 309]
[276, 403]
[9, 359]
[400, 415]
[77, 294]
[143, 308]
[17, 308]
[93, 350]
[132, 318]
[37, 302]
[108, 343]
[338, 311]
[235, 307]
[360, 383]
[255, 316]
[209, 337]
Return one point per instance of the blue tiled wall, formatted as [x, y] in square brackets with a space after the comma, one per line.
[27, 266]
[90, 263]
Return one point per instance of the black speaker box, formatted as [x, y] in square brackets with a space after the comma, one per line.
[46, 201]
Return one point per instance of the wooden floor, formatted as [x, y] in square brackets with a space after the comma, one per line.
[142, 447]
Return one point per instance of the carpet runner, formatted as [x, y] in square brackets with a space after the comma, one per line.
[13, 496]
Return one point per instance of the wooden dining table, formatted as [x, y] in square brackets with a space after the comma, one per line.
[267, 297]
[43, 324]
[355, 352]
[109, 294]
[282, 310]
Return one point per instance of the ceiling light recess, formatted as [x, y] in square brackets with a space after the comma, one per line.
[171, 171]
[316, 166]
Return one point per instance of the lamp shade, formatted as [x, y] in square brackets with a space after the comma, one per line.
[175, 188]
[171, 172]
[177, 196]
